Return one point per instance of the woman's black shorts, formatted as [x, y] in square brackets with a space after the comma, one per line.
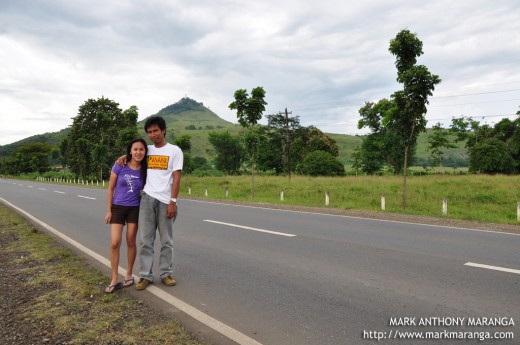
[124, 214]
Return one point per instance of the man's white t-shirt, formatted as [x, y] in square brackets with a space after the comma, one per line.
[162, 162]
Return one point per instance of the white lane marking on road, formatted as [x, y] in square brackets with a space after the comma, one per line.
[86, 197]
[352, 217]
[496, 268]
[250, 228]
[57, 191]
[205, 319]
[42, 189]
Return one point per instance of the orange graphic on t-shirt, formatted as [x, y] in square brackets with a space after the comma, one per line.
[158, 162]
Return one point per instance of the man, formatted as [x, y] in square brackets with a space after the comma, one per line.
[158, 208]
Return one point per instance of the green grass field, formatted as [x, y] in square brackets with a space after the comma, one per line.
[481, 198]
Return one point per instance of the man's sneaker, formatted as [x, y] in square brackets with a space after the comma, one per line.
[169, 281]
[142, 284]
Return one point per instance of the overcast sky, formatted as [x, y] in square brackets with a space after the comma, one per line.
[319, 59]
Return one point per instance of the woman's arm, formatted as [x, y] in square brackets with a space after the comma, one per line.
[110, 196]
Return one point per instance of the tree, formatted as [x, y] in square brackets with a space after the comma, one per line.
[491, 150]
[309, 139]
[228, 152]
[356, 159]
[282, 129]
[200, 163]
[384, 145]
[128, 131]
[418, 83]
[184, 142]
[270, 150]
[98, 135]
[438, 140]
[249, 112]
[249, 108]
[32, 157]
[491, 156]
[321, 163]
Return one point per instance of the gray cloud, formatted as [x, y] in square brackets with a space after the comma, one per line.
[321, 60]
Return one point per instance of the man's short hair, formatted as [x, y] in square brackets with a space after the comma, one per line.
[155, 120]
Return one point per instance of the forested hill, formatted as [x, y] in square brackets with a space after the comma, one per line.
[189, 117]
[52, 138]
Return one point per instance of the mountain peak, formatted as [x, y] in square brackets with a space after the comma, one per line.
[183, 104]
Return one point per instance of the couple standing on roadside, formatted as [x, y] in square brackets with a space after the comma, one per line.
[158, 169]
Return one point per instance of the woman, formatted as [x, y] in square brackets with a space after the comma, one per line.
[123, 198]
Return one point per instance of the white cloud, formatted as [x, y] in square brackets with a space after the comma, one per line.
[321, 60]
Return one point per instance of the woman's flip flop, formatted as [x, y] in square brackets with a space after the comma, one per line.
[129, 282]
[112, 288]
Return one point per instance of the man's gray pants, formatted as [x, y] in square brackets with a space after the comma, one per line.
[152, 218]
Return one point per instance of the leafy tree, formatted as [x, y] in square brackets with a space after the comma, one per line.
[469, 130]
[321, 163]
[184, 142]
[229, 152]
[491, 156]
[200, 163]
[274, 142]
[356, 159]
[98, 135]
[491, 150]
[32, 157]
[408, 118]
[438, 140]
[270, 150]
[130, 132]
[249, 108]
[384, 145]
[309, 139]
[371, 154]
[249, 112]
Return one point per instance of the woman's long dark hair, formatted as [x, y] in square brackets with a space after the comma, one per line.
[144, 162]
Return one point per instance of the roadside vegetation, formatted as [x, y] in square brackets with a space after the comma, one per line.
[399, 158]
[481, 198]
[51, 296]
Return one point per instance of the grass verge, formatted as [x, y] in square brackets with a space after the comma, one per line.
[480, 198]
[51, 296]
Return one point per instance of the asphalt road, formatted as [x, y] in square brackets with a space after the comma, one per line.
[284, 277]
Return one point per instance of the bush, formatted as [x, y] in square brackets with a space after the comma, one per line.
[321, 163]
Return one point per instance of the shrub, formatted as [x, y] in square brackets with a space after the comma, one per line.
[321, 163]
